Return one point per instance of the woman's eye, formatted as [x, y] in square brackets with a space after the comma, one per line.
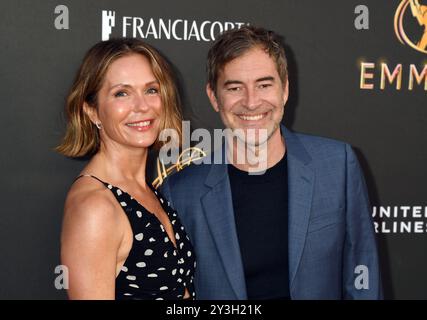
[120, 94]
[152, 91]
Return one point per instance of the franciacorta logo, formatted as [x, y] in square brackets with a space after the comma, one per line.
[162, 28]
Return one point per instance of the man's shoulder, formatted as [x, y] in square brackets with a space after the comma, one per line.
[319, 147]
[194, 174]
[317, 141]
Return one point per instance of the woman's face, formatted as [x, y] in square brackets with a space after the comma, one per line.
[129, 104]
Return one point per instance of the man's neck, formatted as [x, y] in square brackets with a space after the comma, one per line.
[257, 159]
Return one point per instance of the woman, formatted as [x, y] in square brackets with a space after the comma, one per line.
[120, 237]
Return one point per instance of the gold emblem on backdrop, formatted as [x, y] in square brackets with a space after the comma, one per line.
[185, 158]
[418, 12]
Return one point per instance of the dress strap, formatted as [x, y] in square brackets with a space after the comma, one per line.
[91, 176]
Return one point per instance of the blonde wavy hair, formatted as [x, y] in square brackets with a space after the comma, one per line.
[82, 137]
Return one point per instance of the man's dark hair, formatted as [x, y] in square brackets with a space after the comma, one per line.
[234, 43]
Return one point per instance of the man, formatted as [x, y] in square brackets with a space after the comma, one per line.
[300, 230]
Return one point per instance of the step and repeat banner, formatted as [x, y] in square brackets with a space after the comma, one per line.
[358, 73]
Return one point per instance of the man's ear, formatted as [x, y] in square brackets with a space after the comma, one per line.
[91, 112]
[285, 91]
[212, 97]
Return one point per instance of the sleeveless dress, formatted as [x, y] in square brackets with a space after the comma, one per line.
[155, 269]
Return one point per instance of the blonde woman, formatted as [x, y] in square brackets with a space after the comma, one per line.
[120, 238]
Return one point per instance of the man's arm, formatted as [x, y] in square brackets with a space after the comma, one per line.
[361, 275]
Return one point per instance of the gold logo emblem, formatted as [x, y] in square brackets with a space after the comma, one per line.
[419, 12]
[185, 158]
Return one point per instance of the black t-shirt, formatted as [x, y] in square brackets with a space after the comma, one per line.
[260, 205]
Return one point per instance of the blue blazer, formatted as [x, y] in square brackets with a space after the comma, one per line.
[332, 247]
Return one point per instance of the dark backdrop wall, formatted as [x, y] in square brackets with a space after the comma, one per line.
[329, 48]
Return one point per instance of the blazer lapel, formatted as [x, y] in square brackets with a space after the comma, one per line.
[218, 208]
[300, 191]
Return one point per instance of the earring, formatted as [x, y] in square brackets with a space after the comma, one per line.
[98, 125]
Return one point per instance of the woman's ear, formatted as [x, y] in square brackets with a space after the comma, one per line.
[91, 112]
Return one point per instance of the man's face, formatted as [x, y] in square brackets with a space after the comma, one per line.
[251, 95]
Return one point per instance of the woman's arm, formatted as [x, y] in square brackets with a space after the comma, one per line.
[89, 244]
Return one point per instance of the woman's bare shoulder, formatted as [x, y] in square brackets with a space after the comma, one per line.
[90, 206]
[90, 240]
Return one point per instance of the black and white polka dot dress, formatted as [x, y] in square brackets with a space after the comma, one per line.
[154, 268]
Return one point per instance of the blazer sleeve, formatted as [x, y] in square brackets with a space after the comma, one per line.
[361, 275]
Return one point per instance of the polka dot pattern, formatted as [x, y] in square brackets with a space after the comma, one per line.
[155, 269]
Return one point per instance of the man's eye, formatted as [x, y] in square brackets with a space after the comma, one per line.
[265, 85]
[120, 94]
[152, 91]
[233, 89]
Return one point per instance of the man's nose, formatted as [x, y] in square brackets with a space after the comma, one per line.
[252, 99]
